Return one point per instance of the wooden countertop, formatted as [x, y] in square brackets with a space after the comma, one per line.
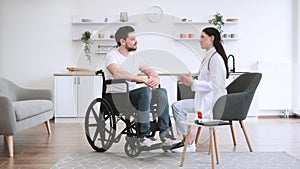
[82, 73]
[77, 73]
[86, 73]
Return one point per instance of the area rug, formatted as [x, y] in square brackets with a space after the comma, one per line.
[168, 160]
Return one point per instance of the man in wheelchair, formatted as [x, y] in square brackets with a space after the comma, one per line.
[122, 63]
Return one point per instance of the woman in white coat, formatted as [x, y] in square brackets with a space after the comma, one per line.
[209, 86]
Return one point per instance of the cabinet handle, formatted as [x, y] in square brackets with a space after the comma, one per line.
[78, 80]
[74, 80]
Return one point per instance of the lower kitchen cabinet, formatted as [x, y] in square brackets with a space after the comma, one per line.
[73, 95]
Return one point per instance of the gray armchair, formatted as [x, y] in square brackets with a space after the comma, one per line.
[235, 105]
[184, 92]
[21, 109]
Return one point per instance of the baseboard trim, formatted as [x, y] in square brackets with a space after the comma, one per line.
[278, 116]
[296, 111]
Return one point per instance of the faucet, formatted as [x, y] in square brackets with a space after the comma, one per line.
[233, 63]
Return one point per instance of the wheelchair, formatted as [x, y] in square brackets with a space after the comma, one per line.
[104, 114]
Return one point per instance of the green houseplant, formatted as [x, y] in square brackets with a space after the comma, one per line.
[86, 39]
[217, 20]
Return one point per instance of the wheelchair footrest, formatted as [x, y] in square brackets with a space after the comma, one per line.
[152, 147]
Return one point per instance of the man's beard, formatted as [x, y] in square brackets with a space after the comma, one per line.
[130, 49]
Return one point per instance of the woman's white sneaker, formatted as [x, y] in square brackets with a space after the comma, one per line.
[190, 148]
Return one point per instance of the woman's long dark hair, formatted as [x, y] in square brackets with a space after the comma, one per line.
[211, 31]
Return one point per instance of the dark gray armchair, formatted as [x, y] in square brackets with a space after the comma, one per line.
[235, 105]
[184, 92]
[21, 109]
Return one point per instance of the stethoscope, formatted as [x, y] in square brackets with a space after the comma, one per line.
[202, 63]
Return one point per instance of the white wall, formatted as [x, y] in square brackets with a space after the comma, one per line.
[296, 60]
[36, 35]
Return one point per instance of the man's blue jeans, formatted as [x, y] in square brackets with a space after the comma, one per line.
[141, 99]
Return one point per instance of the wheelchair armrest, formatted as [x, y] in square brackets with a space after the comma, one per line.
[117, 81]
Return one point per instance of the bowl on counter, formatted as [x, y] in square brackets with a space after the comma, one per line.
[232, 19]
[86, 20]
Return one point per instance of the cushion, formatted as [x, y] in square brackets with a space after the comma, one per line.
[28, 108]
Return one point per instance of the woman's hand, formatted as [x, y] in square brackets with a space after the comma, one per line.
[186, 79]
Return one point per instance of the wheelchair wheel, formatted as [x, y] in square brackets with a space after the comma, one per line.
[100, 125]
[132, 147]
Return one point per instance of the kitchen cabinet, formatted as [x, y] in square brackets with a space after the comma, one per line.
[73, 95]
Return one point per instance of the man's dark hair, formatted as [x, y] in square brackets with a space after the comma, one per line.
[122, 33]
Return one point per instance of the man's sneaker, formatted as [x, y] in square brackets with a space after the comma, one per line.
[168, 142]
[178, 145]
[148, 142]
[190, 148]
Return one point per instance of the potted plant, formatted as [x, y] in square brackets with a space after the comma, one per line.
[86, 39]
[217, 20]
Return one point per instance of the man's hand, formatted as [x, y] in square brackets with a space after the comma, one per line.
[153, 82]
[140, 79]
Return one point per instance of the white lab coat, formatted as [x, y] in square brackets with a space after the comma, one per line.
[210, 84]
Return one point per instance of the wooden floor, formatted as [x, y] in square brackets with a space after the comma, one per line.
[35, 149]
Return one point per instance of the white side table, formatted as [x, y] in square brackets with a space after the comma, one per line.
[213, 144]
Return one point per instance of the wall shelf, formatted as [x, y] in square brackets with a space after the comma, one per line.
[228, 22]
[99, 53]
[202, 22]
[230, 39]
[186, 39]
[96, 39]
[197, 39]
[185, 28]
[103, 23]
[188, 22]
[104, 39]
[95, 24]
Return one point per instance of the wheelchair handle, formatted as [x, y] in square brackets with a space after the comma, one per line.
[110, 81]
[99, 72]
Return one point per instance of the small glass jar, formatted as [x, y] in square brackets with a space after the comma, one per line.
[123, 17]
